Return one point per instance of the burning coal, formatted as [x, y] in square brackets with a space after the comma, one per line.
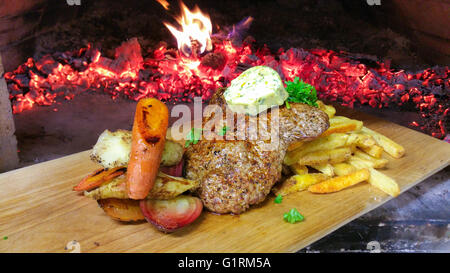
[205, 62]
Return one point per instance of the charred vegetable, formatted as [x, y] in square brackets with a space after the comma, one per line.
[176, 170]
[125, 210]
[165, 187]
[99, 177]
[113, 150]
[170, 215]
[148, 137]
[168, 187]
[117, 188]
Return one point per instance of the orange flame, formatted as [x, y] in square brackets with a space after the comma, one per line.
[164, 3]
[195, 36]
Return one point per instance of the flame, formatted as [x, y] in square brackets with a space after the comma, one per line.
[336, 77]
[195, 36]
[164, 3]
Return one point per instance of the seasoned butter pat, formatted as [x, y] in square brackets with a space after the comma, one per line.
[255, 90]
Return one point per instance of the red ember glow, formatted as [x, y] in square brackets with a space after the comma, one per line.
[169, 76]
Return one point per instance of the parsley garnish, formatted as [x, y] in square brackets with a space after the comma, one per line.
[300, 91]
[193, 137]
[278, 199]
[293, 216]
[5, 238]
[288, 106]
[223, 131]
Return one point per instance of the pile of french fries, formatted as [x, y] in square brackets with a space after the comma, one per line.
[344, 155]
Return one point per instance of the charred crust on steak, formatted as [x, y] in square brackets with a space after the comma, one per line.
[235, 174]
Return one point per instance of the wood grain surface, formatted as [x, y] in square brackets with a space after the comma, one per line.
[39, 212]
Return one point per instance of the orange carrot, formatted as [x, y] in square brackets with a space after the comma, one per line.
[98, 177]
[148, 137]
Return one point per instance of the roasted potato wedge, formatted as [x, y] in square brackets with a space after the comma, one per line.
[168, 187]
[172, 153]
[165, 187]
[125, 210]
[113, 150]
[114, 189]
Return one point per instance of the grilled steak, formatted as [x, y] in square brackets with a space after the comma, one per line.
[240, 172]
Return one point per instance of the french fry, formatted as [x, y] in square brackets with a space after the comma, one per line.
[295, 145]
[375, 150]
[328, 109]
[298, 183]
[330, 142]
[376, 163]
[345, 120]
[340, 128]
[391, 147]
[359, 140]
[378, 179]
[362, 140]
[340, 182]
[326, 168]
[299, 169]
[343, 168]
[326, 156]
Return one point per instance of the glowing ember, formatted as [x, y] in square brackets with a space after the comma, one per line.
[196, 29]
[170, 77]
[164, 3]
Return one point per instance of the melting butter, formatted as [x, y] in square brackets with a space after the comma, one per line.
[255, 90]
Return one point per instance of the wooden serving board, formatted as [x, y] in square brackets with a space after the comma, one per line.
[39, 212]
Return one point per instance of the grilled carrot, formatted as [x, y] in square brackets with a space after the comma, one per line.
[98, 177]
[148, 137]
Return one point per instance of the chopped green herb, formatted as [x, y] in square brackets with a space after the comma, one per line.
[193, 137]
[5, 238]
[293, 216]
[300, 91]
[223, 131]
[278, 199]
[288, 106]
